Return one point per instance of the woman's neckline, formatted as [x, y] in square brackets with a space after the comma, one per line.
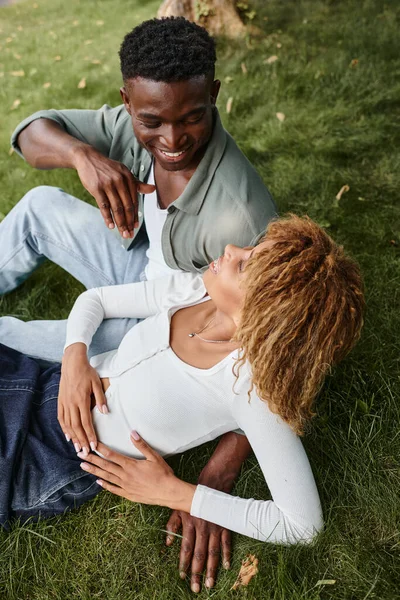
[219, 365]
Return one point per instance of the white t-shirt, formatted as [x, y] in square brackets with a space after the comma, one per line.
[154, 218]
[176, 406]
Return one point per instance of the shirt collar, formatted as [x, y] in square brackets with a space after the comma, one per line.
[192, 198]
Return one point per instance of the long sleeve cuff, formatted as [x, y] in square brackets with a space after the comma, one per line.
[258, 519]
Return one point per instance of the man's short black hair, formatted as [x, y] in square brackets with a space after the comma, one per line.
[169, 49]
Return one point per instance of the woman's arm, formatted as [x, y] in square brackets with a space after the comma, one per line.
[133, 300]
[79, 381]
[293, 515]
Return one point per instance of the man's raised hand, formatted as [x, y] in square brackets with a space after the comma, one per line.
[114, 188]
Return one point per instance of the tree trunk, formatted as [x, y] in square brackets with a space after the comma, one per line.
[219, 17]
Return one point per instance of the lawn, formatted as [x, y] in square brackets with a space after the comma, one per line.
[335, 80]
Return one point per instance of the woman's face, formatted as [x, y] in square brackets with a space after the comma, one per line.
[225, 276]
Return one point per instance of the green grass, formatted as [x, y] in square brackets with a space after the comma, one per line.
[342, 127]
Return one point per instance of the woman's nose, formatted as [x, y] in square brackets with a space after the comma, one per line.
[231, 250]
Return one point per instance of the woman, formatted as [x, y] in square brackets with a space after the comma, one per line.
[248, 346]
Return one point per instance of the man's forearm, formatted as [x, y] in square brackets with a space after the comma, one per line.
[45, 145]
[224, 466]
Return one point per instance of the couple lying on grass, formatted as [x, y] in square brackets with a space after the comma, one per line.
[247, 345]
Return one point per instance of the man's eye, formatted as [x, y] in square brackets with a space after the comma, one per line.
[195, 120]
[151, 125]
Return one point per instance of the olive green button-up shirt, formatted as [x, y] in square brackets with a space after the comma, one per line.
[225, 201]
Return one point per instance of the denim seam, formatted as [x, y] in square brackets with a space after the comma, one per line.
[50, 240]
[16, 250]
[57, 488]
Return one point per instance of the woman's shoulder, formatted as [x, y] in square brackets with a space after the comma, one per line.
[177, 289]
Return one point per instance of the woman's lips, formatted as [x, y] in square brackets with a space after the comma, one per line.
[215, 266]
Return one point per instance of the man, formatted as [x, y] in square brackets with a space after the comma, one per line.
[166, 141]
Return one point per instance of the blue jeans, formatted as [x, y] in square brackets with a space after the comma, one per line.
[48, 223]
[39, 470]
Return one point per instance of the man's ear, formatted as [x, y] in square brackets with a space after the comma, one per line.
[216, 85]
[125, 99]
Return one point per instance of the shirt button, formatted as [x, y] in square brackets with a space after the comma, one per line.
[171, 209]
[142, 167]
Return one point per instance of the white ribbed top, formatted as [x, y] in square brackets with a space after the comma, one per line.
[175, 406]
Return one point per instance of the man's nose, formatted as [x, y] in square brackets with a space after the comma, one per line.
[173, 137]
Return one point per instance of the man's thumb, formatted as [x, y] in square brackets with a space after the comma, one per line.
[146, 188]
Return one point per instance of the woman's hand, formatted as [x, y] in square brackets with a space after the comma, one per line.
[79, 381]
[150, 481]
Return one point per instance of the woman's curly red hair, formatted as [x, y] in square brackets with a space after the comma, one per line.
[303, 312]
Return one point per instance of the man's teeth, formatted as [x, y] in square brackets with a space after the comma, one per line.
[172, 154]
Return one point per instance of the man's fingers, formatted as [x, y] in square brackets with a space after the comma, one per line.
[145, 188]
[186, 553]
[118, 210]
[130, 204]
[214, 553]
[200, 555]
[105, 209]
[226, 543]
[174, 524]
[133, 191]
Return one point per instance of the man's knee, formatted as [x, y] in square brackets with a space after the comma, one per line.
[41, 198]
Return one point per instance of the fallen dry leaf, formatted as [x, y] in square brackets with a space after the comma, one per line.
[57, 58]
[36, 5]
[47, 85]
[343, 190]
[1, 73]
[228, 79]
[96, 62]
[247, 571]
[99, 23]
[229, 105]
[11, 151]
[354, 62]
[279, 45]
[87, 42]
[17, 56]
[82, 83]
[20, 28]
[270, 60]
[75, 23]
[9, 39]
[393, 243]
[244, 69]
[20, 73]
[326, 582]
[280, 116]
[15, 104]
